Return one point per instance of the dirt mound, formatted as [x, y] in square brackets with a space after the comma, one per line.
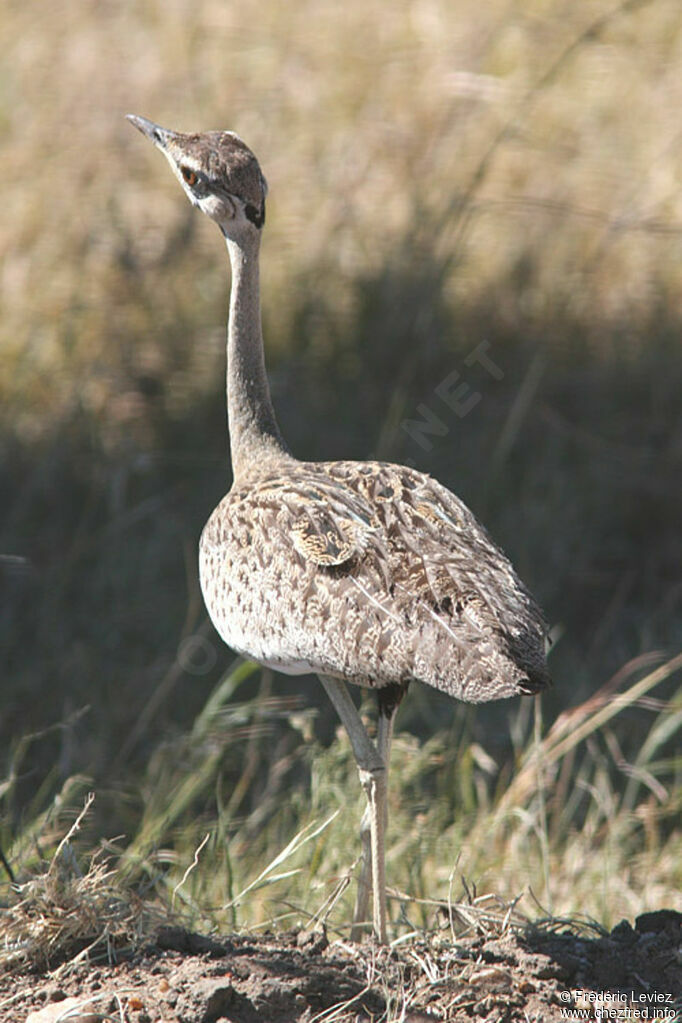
[542, 974]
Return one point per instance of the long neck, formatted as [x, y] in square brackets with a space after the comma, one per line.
[255, 439]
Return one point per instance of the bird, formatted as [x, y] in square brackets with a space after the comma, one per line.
[361, 572]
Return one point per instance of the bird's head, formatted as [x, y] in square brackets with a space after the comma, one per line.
[218, 172]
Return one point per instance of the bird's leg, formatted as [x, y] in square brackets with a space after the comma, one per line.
[372, 771]
[365, 878]
[383, 744]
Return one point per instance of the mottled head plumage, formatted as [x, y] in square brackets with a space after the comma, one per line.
[217, 170]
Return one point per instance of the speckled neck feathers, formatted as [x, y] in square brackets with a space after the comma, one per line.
[255, 440]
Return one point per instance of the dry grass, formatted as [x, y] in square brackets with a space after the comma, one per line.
[586, 851]
[62, 915]
[576, 829]
[449, 174]
[563, 843]
[534, 145]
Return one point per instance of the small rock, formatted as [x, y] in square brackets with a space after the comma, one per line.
[659, 920]
[312, 941]
[493, 976]
[624, 933]
[76, 1010]
[178, 939]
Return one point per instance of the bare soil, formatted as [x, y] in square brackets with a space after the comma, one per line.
[542, 974]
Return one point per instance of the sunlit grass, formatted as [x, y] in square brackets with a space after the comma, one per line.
[558, 829]
[536, 144]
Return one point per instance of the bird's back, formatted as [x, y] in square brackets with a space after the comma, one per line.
[370, 572]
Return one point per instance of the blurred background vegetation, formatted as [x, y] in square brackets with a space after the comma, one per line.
[441, 175]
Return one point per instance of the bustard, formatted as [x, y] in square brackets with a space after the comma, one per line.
[361, 572]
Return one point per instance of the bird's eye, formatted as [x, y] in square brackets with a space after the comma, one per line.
[189, 176]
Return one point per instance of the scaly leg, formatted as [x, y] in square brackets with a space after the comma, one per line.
[372, 771]
[384, 736]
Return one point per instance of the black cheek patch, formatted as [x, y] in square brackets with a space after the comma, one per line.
[256, 217]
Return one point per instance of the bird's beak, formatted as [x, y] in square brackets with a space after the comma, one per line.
[161, 137]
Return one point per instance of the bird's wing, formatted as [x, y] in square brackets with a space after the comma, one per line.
[435, 552]
[372, 572]
[325, 540]
[329, 524]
